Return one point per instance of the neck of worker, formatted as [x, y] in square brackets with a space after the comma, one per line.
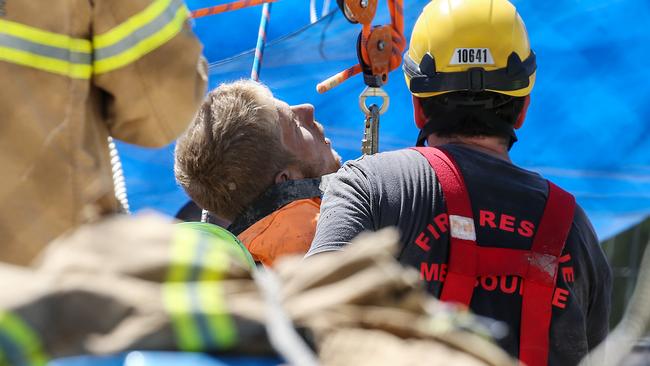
[493, 146]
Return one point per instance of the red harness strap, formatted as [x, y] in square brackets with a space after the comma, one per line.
[537, 266]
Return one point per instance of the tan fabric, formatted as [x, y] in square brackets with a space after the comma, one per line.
[372, 347]
[102, 290]
[53, 135]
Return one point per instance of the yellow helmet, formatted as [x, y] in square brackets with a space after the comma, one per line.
[471, 45]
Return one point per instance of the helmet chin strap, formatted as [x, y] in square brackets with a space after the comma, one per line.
[418, 113]
[522, 114]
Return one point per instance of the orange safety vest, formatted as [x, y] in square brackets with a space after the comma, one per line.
[537, 267]
[288, 230]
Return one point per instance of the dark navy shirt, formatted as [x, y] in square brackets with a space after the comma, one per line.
[400, 189]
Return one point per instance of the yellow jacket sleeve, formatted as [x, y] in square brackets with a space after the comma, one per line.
[148, 64]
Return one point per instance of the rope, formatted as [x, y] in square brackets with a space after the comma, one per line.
[313, 18]
[337, 79]
[326, 8]
[119, 184]
[279, 327]
[261, 41]
[241, 4]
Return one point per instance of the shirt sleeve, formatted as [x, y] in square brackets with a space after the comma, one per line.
[600, 286]
[148, 67]
[346, 209]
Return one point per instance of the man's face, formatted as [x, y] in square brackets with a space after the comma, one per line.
[304, 137]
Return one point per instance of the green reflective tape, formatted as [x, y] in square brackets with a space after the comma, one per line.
[183, 253]
[215, 262]
[225, 240]
[176, 291]
[213, 307]
[176, 297]
[194, 296]
[23, 338]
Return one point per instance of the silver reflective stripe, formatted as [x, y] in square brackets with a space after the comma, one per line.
[141, 33]
[62, 54]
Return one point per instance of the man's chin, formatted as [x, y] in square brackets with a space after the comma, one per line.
[338, 161]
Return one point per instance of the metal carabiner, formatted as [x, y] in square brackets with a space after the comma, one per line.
[374, 92]
[370, 141]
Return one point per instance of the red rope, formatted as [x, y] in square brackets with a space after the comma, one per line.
[228, 7]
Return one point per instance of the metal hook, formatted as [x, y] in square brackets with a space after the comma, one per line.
[374, 92]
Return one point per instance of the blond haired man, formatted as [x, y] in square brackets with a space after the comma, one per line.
[256, 161]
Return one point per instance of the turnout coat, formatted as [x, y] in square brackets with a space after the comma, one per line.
[73, 73]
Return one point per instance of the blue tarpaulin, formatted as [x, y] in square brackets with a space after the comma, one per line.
[587, 129]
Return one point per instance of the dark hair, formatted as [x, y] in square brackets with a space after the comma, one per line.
[472, 114]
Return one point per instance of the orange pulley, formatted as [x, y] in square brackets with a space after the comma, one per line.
[379, 48]
[358, 11]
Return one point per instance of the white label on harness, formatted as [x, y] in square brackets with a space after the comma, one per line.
[472, 56]
[462, 227]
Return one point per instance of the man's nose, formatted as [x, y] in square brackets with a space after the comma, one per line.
[305, 113]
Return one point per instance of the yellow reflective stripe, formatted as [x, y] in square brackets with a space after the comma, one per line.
[43, 37]
[176, 293]
[197, 307]
[177, 303]
[213, 306]
[53, 65]
[215, 263]
[23, 337]
[131, 25]
[211, 296]
[183, 251]
[179, 307]
[145, 46]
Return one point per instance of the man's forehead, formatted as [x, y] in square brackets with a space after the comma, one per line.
[282, 105]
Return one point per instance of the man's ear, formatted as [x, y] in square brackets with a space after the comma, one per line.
[522, 114]
[282, 176]
[418, 113]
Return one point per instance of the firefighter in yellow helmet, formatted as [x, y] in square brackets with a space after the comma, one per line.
[73, 73]
[482, 232]
[470, 48]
